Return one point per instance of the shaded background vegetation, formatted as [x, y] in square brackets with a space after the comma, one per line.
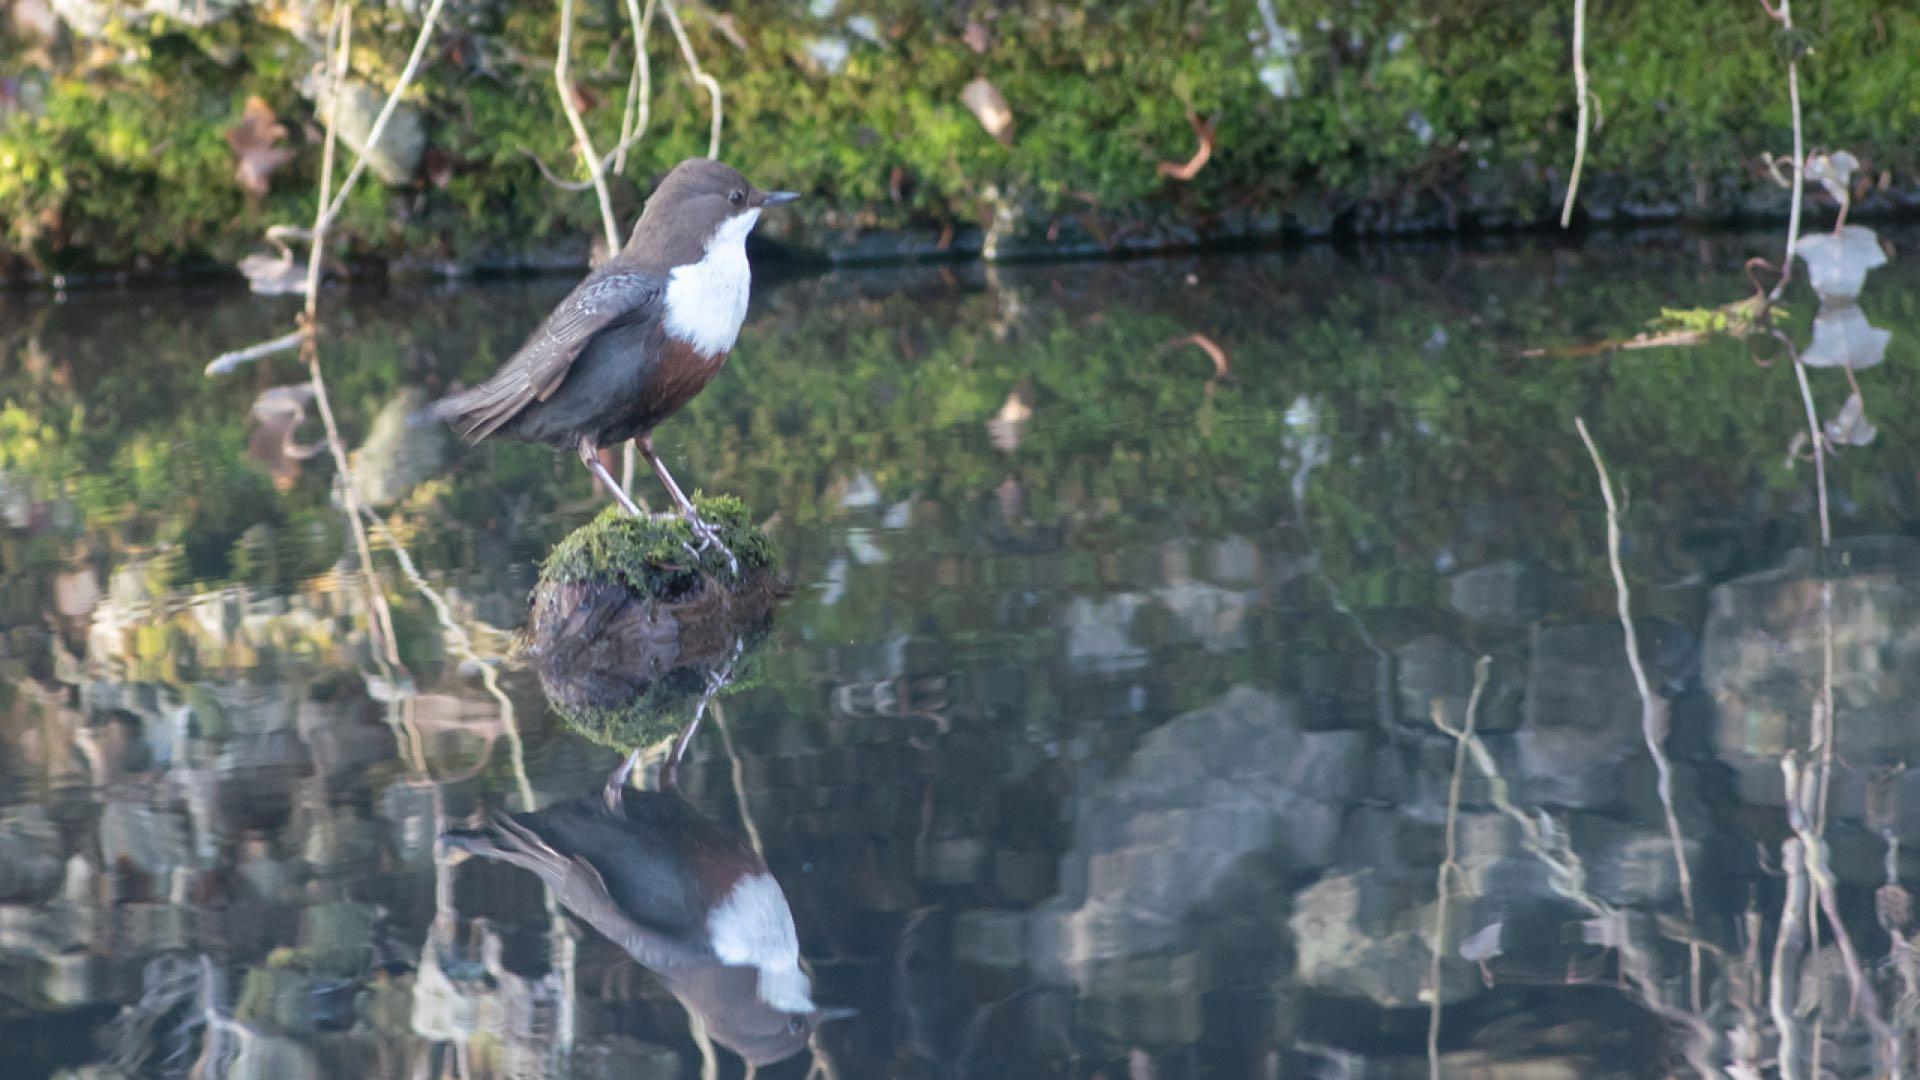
[1329, 115]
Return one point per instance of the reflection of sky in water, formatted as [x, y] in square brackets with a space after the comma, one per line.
[1099, 728]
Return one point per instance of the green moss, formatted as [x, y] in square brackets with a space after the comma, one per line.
[628, 631]
[664, 707]
[649, 554]
[1415, 112]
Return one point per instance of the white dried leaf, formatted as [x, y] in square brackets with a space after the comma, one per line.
[1837, 263]
[1851, 427]
[1842, 337]
[1482, 945]
[990, 107]
[1833, 172]
[274, 275]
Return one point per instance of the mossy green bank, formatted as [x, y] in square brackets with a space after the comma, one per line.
[1327, 115]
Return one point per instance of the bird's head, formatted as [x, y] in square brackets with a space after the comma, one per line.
[708, 199]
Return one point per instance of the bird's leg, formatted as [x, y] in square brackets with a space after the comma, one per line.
[590, 454]
[716, 682]
[670, 768]
[617, 781]
[707, 535]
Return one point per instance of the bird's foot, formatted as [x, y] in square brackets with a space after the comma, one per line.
[708, 539]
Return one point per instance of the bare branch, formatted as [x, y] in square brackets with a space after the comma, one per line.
[379, 127]
[229, 361]
[1653, 710]
[584, 142]
[1788, 944]
[699, 75]
[639, 88]
[1819, 448]
[1784, 13]
[338, 57]
[1186, 170]
[564, 185]
[1450, 866]
[1585, 97]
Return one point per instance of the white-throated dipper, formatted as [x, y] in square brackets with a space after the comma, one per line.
[686, 897]
[638, 338]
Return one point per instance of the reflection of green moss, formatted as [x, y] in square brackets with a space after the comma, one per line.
[649, 553]
[1431, 420]
[664, 707]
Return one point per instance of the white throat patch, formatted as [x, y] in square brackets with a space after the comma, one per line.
[707, 300]
[753, 927]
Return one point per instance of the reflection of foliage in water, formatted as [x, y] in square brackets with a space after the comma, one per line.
[1396, 369]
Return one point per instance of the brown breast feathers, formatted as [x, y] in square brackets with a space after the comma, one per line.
[683, 371]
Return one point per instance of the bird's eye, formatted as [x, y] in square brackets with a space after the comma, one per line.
[796, 1025]
[737, 198]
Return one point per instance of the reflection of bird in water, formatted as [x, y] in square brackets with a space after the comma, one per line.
[686, 897]
[638, 338]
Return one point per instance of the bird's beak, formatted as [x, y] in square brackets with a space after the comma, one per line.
[775, 198]
[829, 1015]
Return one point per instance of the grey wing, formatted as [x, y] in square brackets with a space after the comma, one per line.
[603, 301]
[578, 885]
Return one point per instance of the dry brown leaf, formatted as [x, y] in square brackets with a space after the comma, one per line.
[254, 141]
[1187, 170]
[1008, 425]
[439, 166]
[990, 107]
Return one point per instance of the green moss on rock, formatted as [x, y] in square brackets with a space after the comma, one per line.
[649, 554]
[628, 631]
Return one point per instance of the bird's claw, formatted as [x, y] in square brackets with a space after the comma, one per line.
[709, 538]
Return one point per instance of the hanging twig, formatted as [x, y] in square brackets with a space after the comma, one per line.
[339, 51]
[582, 141]
[379, 127]
[699, 75]
[1819, 448]
[331, 204]
[229, 361]
[1784, 14]
[1585, 97]
[633, 123]
[1653, 709]
[1450, 865]
[1863, 1001]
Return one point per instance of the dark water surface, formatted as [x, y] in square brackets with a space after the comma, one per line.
[1097, 737]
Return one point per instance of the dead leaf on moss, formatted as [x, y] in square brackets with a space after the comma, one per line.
[990, 107]
[1187, 170]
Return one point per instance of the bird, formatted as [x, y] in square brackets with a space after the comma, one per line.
[685, 896]
[637, 339]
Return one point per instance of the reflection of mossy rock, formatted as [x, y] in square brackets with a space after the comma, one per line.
[627, 628]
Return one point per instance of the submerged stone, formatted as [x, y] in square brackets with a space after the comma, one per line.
[630, 628]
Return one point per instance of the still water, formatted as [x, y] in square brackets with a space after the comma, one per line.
[1098, 734]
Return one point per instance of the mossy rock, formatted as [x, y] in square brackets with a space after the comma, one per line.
[628, 629]
[649, 554]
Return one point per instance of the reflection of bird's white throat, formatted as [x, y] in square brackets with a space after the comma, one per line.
[707, 300]
[753, 927]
